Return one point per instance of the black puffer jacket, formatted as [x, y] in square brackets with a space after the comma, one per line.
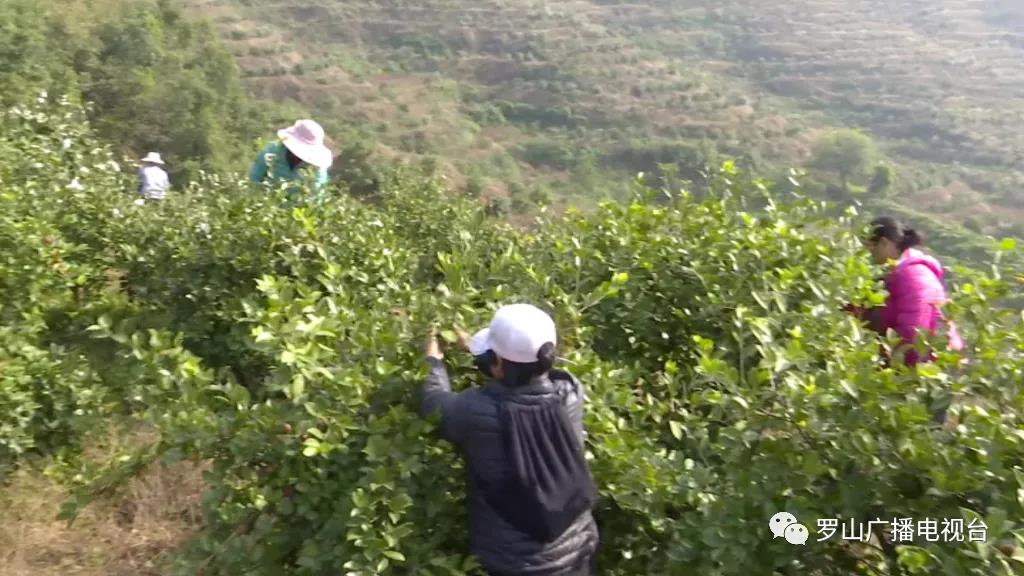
[470, 421]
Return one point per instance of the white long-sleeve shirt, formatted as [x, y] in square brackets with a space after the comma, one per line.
[153, 182]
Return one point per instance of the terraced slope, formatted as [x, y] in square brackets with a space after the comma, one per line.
[527, 92]
[942, 82]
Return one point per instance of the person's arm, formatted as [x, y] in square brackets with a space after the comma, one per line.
[913, 300]
[319, 186]
[875, 317]
[320, 183]
[463, 337]
[878, 318]
[258, 173]
[437, 395]
[165, 181]
[582, 395]
[575, 400]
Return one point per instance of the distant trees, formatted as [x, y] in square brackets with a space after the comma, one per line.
[847, 153]
[586, 175]
[355, 167]
[882, 180]
[540, 195]
[28, 61]
[547, 153]
[475, 185]
[519, 204]
[524, 113]
[497, 207]
[974, 224]
[156, 80]
[159, 82]
[646, 156]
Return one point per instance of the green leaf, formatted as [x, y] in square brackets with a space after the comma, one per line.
[1008, 244]
[298, 387]
[395, 555]
[761, 300]
[913, 557]
[676, 428]
[849, 389]
[288, 357]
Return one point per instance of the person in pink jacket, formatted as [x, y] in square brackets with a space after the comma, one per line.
[916, 290]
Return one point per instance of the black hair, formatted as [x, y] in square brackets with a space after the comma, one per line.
[889, 228]
[483, 362]
[519, 373]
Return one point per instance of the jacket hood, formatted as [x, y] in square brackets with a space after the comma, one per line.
[914, 256]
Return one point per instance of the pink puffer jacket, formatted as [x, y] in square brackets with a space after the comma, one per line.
[916, 294]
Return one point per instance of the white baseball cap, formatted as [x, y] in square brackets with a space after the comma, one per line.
[517, 333]
[480, 343]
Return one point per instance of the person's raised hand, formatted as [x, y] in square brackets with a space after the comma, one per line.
[433, 346]
[854, 310]
[463, 338]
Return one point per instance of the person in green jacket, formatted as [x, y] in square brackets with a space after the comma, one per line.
[284, 160]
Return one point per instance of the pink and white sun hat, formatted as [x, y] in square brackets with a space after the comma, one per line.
[305, 139]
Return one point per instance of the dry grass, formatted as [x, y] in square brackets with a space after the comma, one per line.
[128, 533]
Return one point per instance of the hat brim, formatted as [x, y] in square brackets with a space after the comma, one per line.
[317, 155]
[480, 343]
[152, 161]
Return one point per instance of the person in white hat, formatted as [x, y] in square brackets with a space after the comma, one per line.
[299, 145]
[153, 180]
[479, 347]
[530, 492]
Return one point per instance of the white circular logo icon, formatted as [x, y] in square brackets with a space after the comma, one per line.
[780, 522]
[796, 534]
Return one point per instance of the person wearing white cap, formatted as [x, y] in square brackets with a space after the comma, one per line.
[153, 180]
[530, 492]
[299, 145]
[479, 347]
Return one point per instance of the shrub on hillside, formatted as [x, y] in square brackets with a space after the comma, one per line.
[156, 80]
[847, 153]
[547, 153]
[52, 284]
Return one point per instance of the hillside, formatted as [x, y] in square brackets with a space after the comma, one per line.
[528, 96]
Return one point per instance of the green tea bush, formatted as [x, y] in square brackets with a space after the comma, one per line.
[50, 278]
[279, 342]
